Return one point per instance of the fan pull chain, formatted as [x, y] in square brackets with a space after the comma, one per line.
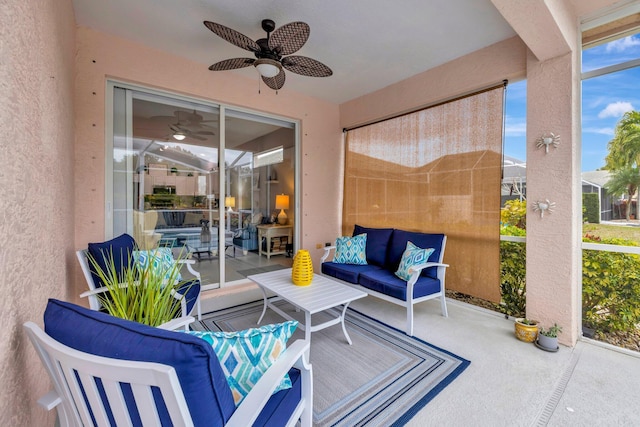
[259, 86]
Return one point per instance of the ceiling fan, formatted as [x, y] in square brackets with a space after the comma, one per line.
[270, 52]
[180, 132]
[186, 124]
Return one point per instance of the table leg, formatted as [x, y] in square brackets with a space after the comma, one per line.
[344, 330]
[266, 302]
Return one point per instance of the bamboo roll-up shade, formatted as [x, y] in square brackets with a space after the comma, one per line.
[437, 170]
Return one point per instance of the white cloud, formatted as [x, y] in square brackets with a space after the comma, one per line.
[515, 126]
[600, 131]
[623, 44]
[615, 109]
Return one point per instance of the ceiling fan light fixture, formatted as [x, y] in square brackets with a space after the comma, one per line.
[267, 67]
[179, 136]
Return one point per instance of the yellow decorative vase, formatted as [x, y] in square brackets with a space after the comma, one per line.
[302, 270]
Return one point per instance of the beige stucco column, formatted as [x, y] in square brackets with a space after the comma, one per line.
[554, 256]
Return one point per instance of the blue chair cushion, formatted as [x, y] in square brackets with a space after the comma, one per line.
[347, 272]
[121, 248]
[398, 245]
[386, 282]
[192, 289]
[203, 383]
[377, 242]
[281, 405]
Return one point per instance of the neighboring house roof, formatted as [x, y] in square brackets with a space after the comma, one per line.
[516, 168]
[599, 178]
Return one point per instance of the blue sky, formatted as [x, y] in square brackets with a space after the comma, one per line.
[604, 100]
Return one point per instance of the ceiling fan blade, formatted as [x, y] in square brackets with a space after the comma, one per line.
[289, 38]
[232, 64]
[306, 66]
[233, 37]
[276, 82]
[198, 137]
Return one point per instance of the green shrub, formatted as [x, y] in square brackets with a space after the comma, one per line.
[514, 213]
[513, 290]
[610, 287]
[591, 208]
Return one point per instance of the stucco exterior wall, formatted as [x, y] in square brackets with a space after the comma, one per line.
[37, 123]
[101, 56]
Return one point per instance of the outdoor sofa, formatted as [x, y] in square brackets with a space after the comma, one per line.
[384, 251]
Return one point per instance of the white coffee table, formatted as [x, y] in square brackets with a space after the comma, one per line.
[322, 294]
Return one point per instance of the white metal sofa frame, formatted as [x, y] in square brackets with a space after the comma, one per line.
[62, 363]
[93, 292]
[415, 274]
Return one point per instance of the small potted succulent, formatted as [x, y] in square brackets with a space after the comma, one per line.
[526, 329]
[548, 338]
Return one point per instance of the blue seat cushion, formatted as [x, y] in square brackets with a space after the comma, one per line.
[281, 405]
[386, 282]
[120, 248]
[203, 383]
[398, 245]
[192, 289]
[347, 272]
[377, 242]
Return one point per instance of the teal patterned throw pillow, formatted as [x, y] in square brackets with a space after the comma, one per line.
[351, 250]
[412, 255]
[161, 259]
[246, 355]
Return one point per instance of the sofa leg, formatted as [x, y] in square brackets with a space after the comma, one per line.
[410, 318]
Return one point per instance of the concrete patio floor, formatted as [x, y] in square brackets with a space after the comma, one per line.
[509, 382]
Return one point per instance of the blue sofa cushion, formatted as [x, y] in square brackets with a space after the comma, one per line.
[203, 383]
[377, 242]
[388, 283]
[347, 272]
[398, 244]
[121, 248]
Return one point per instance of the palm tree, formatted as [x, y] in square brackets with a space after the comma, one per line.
[624, 148]
[623, 181]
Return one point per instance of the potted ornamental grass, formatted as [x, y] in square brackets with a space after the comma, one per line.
[548, 338]
[141, 291]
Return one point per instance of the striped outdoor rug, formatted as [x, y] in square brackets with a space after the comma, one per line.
[383, 379]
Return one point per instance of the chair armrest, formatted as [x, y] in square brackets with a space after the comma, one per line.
[96, 291]
[50, 400]
[421, 267]
[247, 412]
[102, 290]
[189, 263]
[180, 322]
[327, 252]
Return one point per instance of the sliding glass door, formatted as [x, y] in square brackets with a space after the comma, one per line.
[206, 180]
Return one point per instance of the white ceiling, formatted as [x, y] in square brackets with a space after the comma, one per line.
[369, 44]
